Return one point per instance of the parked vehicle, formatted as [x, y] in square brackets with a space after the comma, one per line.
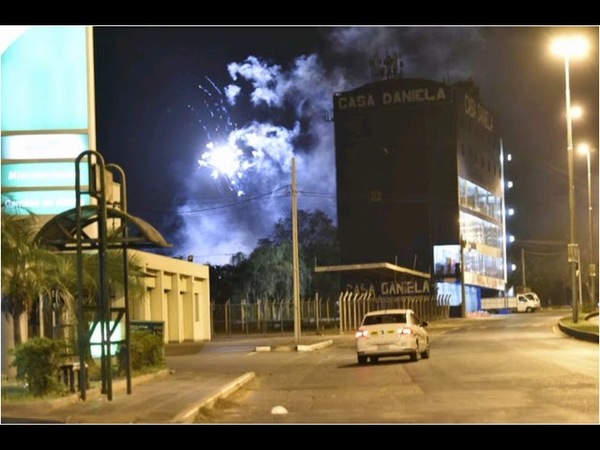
[391, 333]
[527, 303]
[533, 296]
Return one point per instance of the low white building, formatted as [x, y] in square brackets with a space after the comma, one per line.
[178, 294]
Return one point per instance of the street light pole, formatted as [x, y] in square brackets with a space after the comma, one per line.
[572, 249]
[568, 48]
[584, 148]
[463, 305]
[523, 269]
[592, 264]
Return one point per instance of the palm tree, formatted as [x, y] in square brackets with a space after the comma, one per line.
[63, 286]
[24, 269]
[31, 273]
[114, 273]
[59, 302]
[65, 289]
[24, 265]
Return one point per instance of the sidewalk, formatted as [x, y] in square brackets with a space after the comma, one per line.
[161, 398]
[164, 398]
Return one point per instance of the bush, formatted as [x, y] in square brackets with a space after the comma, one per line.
[147, 352]
[38, 362]
[587, 308]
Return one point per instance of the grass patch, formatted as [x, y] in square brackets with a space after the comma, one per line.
[14, 390]
[581, 325]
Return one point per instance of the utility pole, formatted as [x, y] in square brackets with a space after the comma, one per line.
[523, 269]
[295, 252]
[463, 311]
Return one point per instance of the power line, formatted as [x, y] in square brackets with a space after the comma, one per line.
[283, 191]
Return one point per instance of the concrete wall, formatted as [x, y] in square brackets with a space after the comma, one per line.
[178, 294]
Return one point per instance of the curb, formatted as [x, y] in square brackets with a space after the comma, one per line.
[292, 347]
[189, 415]
[580, 334]
[317, 346]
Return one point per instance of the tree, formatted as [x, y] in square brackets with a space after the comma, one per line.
[63, 283]
[230, 281]
[34, 276]
[271, 267]
[317, 235]
[318, 245]
[25, 266]
[267, 273]
[548, 275]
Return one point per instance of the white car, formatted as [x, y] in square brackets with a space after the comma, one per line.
[391, 333]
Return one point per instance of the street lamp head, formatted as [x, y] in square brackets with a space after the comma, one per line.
[576, 112]
[570, 47]
[584, 149]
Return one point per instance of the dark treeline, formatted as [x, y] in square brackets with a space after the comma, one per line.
[268, 272]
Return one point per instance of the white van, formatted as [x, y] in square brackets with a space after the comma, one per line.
[533, 296]
[519, 303]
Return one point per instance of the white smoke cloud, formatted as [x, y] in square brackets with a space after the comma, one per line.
[263, 78]
[232, 91]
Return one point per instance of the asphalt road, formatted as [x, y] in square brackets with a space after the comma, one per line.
[523, 366]
[512, 369]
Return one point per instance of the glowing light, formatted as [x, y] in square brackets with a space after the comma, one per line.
[583, 149]
[223, 159]
[573, 47]
[256, 152]
[576, 112]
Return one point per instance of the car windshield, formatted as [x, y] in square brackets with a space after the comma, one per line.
[384, 318]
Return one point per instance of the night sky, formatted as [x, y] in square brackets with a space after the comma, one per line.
[163, 98]
[171, 99]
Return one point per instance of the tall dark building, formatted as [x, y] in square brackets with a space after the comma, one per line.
[420, 171]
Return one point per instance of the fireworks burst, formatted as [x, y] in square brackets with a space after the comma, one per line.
[254, 160]
[237, 154]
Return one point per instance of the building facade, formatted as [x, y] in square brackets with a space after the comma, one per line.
[178, 294]
[420, 183]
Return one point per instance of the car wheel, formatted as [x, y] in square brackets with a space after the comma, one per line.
[414, 356]
[362, 360]
[426, 353]
[374, 359]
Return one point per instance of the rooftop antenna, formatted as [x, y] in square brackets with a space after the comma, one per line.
[386, 68]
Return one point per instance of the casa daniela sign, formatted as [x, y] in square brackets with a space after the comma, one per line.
[387, 98]
[392, 288]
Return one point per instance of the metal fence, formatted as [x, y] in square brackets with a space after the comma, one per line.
[343, 314]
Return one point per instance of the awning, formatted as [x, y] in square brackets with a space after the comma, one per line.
[383, 268]
[61, 231]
